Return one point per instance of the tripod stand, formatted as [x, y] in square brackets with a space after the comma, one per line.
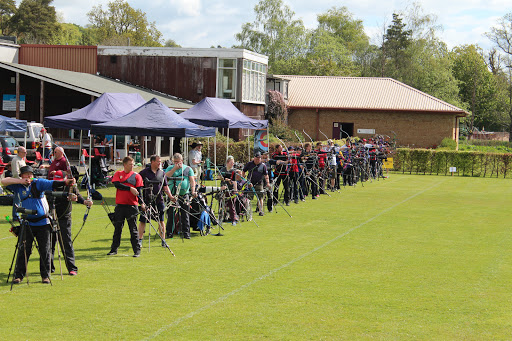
[152, 213]
[21, 245]
[56, 230]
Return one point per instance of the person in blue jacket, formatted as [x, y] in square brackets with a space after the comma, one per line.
[29, 194]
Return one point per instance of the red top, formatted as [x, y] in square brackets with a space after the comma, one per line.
[321, 159]
[294, 166]
[60, 164]
[131, 179]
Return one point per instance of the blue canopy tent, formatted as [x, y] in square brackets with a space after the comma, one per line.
[107, 107]
[153, 118]
[221, 113]
[10, 124]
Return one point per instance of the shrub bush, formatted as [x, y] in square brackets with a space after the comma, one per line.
[468, 163]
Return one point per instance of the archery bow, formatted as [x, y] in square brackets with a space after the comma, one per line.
[323, 134]
[307, 135]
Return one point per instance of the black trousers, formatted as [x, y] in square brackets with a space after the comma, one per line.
[42, 235]
[129, 213]
[270, 201]
[66, 243]
[312, 181]
[301, 185]
[183, 212]
[286, 185]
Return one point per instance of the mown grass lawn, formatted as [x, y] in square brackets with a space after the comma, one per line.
[409, 257]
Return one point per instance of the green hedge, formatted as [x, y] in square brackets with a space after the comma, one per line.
[431, 161]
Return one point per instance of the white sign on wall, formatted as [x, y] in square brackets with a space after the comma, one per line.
[366, 131]
[9, 103]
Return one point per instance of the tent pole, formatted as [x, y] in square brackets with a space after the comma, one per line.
[227, 147]
[268, 143]
[80, 154]
[90, 158]
[115, 151]
[248, 146]
[145, 150]
[25, 140]
[215, 156]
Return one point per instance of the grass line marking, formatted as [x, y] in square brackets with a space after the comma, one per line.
[271, 272]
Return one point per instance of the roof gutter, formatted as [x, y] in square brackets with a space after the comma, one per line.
[461, 113]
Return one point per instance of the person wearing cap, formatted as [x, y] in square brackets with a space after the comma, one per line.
[29, 194]
[63, 209]
[195, 159]
[18, 161]
[256, 172]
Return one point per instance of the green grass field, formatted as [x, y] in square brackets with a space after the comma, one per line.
[409, 257]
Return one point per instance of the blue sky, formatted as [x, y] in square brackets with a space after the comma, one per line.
[202, 23]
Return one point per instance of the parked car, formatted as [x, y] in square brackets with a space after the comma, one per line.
[8, 147]
[33, 138]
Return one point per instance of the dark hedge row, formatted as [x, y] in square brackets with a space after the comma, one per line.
[431, 161]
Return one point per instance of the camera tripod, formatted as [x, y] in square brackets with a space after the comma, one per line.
[21, 244]
[152, 213]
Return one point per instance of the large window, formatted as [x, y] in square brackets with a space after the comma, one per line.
[254, 82]
[226, 82]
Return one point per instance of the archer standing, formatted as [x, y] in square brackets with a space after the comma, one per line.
[63, 208]
[156, 182]
[257, 174]
[182, 179]
[29, 194]
[281, 175]
[129, 185]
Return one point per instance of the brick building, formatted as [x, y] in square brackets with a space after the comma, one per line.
[364, 107]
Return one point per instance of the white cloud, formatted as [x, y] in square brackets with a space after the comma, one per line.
[187, 7]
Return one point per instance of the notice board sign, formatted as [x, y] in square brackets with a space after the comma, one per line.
[9, 103]
[388, 164]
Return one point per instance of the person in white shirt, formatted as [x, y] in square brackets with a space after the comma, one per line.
[18, 161]
[47, 144]
[195, 159]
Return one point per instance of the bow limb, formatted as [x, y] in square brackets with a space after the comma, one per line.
[323, 134]
[307, 135]
[297, 135]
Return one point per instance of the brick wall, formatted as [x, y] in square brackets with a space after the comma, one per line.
[414, 129]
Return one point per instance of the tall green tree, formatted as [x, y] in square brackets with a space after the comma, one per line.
[277, 34]
[35, 22]
[501, 36]
[7, 10]
[479, 88]
[337, 46]
[120, 24]
[395, 47]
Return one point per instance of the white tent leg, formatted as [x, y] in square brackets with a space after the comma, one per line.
[215, 156]
[227, 147]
